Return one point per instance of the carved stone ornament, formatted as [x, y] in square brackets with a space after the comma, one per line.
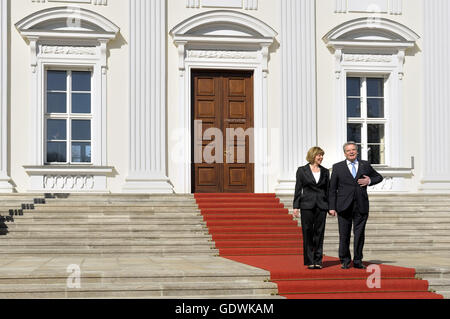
[68, 50]
[367, 58]
[69, 182]
[235, 55]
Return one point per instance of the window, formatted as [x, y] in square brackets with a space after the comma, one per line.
[68, 116]
[366, 117]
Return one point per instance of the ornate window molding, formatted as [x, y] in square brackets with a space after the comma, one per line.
[239, 4]
[95, 2]
[225, 40]
[373, 47]
[393, 7]
[67, 37]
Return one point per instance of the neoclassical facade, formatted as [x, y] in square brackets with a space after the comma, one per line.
[131, 96]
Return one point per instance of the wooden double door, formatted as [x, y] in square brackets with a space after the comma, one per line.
[222, 110]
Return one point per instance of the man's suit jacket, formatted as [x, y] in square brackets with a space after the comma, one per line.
[308, 193]
[344, 189]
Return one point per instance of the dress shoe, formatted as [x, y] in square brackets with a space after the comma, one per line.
[311, 267]
[344, 266]
[318, 267]
[359, 266]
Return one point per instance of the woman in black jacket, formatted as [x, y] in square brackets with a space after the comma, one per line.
[311, 198]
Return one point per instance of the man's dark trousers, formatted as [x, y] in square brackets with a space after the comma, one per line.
[350, 216]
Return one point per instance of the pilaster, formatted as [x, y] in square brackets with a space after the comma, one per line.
[298, 87]
[5, 180]
[147, 123]
[436, 113]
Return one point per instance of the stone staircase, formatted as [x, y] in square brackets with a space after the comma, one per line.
[149, 246]
[116, 246]
[404, 229]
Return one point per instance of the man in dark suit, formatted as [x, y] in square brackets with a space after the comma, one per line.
[348, 200]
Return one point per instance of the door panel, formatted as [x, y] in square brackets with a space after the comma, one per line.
[224, 100]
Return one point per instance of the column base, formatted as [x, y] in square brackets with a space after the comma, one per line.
[285, 187]
[6, 187]
[148, 186]
[435, 186]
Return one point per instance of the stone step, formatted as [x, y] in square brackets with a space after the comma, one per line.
[107, 235]
[28, 214]
[392, 196]
[100, 214]
[441, 284]
[396, 240]
[387, 225]
[172, 227]
[444, 235]
[198, 250]
[141, 290]
[433, 272]
[191, 220]
[114, 208]
[112, 197]
[182, 216]
[100, 242]
[333, 248]
[95, 204]
[115, 277]
[404, 209]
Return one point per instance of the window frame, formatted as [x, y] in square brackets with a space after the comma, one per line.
[68, 116]
[364, 119]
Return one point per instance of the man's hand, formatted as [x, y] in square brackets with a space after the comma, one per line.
[296, 213]
[363, 182]
[332, 213]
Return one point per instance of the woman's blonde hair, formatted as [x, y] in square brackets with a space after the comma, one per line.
[312, 153]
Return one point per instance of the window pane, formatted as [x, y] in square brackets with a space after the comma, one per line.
[375, 87]
[375, 108]
[353, 107]
[81, 130]
[375, 133]
[56, 103]
[56, 130]
[56, 80]
[354, 132]
[81, 81]
[56, 152]
[81, 152]
[377, 154]
[353, 87]
[81, 103]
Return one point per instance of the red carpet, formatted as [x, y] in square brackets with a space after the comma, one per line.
[256, 229]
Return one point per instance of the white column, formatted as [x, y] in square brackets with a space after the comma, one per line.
[148, 149]
[436, 111]
[5, 185]
[298, 87]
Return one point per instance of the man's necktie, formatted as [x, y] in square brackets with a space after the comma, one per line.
[354, 170]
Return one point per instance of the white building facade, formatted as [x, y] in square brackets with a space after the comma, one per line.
[104, 96]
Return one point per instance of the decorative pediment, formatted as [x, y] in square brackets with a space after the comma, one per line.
[223, 35]
[364, 32]
[223, 26]
[67, 22]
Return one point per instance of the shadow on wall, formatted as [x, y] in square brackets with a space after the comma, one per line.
[3, 227]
